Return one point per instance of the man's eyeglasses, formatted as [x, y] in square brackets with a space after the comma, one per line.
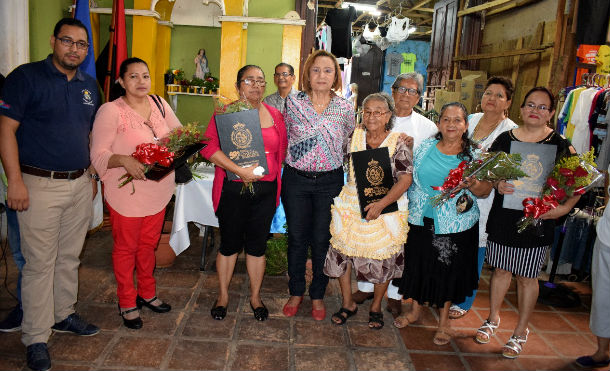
[375, 114]
[67, 42]
[541, 107]
[252, 82]
[409, 91]
[283, 74]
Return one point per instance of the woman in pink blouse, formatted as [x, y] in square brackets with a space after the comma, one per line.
[245, 216]
[136, 217]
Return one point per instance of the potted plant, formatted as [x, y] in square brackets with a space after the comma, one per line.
[211, 84]
[198, 84]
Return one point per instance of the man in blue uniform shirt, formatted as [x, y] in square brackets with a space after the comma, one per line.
[45, 119]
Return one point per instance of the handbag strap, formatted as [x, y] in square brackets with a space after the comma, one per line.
[157, 100]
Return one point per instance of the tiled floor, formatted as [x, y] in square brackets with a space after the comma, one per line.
[188, 339]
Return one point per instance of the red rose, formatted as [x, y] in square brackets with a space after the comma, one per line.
[580, 172]
[559, 194]
[566, 172]
[570, 182]
[552, 182]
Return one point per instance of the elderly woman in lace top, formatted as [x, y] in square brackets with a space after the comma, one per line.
[372, 246]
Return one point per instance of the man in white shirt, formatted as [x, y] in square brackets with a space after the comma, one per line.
[406, 91]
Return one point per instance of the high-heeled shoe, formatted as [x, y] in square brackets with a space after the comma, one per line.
[135, 323]
[161, 308]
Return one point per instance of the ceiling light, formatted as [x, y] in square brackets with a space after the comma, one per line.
[371, 9]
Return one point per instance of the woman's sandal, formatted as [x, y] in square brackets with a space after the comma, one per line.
[403, 321]
[456, 312]
[512, 349]
[342, 318]
[441, 337]
[486, 331]
[376, 320]
[218, 313]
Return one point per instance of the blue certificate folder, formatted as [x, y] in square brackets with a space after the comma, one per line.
[537, 162]
[241, 139]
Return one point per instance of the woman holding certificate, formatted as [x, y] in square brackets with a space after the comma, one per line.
[319, 123]
[372, 246]
[245, 207]
[509, 251]
[441, 251]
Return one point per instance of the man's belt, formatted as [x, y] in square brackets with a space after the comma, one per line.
[52, 174]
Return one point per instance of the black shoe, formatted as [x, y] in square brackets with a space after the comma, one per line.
[76, 325]
[260, 313]
[38, 357]
[161, 308]
[12, 322]
[218, 313]
[135, 323]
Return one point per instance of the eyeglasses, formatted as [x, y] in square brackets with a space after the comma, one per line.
[375, 114]
[488, 94]
[283, 74]
[67, 42]
[541, 107]
[409, 91]
[252, 82]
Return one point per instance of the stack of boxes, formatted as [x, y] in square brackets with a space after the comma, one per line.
[468, 90]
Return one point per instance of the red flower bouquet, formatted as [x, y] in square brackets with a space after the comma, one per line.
[149, 154]
[490, 166]
[573, 175]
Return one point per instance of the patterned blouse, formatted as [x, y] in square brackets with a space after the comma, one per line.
[446, 218]
[316, 142]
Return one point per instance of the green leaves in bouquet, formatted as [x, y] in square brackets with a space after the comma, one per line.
[224, 105]
[494, 166]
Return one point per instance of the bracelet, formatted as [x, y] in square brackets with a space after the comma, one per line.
[94, 177]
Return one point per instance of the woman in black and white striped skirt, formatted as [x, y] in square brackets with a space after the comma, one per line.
[523, 253]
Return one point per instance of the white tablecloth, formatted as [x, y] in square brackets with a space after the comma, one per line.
[193, 204]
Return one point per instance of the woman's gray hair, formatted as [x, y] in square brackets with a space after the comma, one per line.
[415, 76]
[384, 97]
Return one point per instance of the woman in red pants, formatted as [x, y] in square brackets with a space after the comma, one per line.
[136, 217]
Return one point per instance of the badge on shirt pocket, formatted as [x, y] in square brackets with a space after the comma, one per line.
[463, 203]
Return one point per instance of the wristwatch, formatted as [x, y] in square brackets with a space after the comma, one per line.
[94, 176]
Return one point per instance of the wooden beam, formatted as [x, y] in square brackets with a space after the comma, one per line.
[381, 2]
[420, 4]
[506, 53]
[427, 10]
[516, 63]
[514, 4]
[485, 6]
[359, 18]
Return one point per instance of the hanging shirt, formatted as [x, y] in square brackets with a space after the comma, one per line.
[408, 63]
[580, 119]
[393, 62]
[340, 21]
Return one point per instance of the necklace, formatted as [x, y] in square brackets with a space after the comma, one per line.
[476, 130]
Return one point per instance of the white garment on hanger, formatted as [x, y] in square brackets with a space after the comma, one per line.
[398, 30]
[371, 36]
[580, 119]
